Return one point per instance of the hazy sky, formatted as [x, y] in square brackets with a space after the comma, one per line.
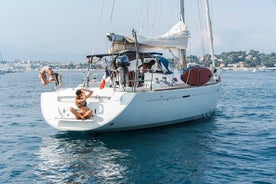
[68, 30]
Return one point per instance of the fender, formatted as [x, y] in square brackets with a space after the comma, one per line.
[196, 75]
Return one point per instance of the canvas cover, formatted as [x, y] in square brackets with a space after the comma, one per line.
[176, 38]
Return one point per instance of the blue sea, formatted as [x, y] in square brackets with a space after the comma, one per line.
[236, 145]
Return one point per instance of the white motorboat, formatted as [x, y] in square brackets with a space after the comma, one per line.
[138, 89]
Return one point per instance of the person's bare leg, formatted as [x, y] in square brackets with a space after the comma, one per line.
[88, 114]
[77, 115]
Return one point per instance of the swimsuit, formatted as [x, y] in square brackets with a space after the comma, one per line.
[84, 104]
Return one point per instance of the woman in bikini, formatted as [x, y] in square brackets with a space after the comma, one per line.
[83, 112]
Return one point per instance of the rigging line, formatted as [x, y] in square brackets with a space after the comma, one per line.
[202, 37]
[101, 15]
[138, 10]
[212, 11]
[111, 15]
[148, 15]
[145, 19]
[151, 16]
[99, 23]
[154, 14]
[157, 19]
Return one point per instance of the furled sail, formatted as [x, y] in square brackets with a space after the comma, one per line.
[176, 38]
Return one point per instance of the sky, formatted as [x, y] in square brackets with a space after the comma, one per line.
[68, 30]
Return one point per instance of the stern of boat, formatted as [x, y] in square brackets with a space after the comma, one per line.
[105, 104]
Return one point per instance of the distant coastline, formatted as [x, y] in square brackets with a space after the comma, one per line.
[234, 60]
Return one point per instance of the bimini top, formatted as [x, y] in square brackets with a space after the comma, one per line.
[176, 38]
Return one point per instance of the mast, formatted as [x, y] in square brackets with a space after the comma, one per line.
[137, 57]
[182, 17]
[210, 31]
[182, 52]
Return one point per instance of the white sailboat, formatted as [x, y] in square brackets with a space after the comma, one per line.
[142, 91]
[2, 61]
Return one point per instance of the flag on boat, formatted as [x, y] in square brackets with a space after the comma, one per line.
[105, 78]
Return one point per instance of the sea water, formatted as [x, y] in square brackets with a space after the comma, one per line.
[236, 145]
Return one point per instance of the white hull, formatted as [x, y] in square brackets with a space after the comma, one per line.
[119, 111]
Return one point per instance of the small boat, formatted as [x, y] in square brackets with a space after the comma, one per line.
[271, 68]
[2, 61]
[2, 72]
[138, 89]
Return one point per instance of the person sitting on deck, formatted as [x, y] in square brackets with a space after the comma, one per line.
[83, 112]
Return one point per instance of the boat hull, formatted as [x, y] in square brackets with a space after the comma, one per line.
[120, 111]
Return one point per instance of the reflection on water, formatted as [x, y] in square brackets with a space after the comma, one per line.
[79, 158]
[147, 156]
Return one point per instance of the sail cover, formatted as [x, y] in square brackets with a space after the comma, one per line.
[175, 38]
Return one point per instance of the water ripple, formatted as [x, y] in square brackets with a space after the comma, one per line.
[236, 145]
